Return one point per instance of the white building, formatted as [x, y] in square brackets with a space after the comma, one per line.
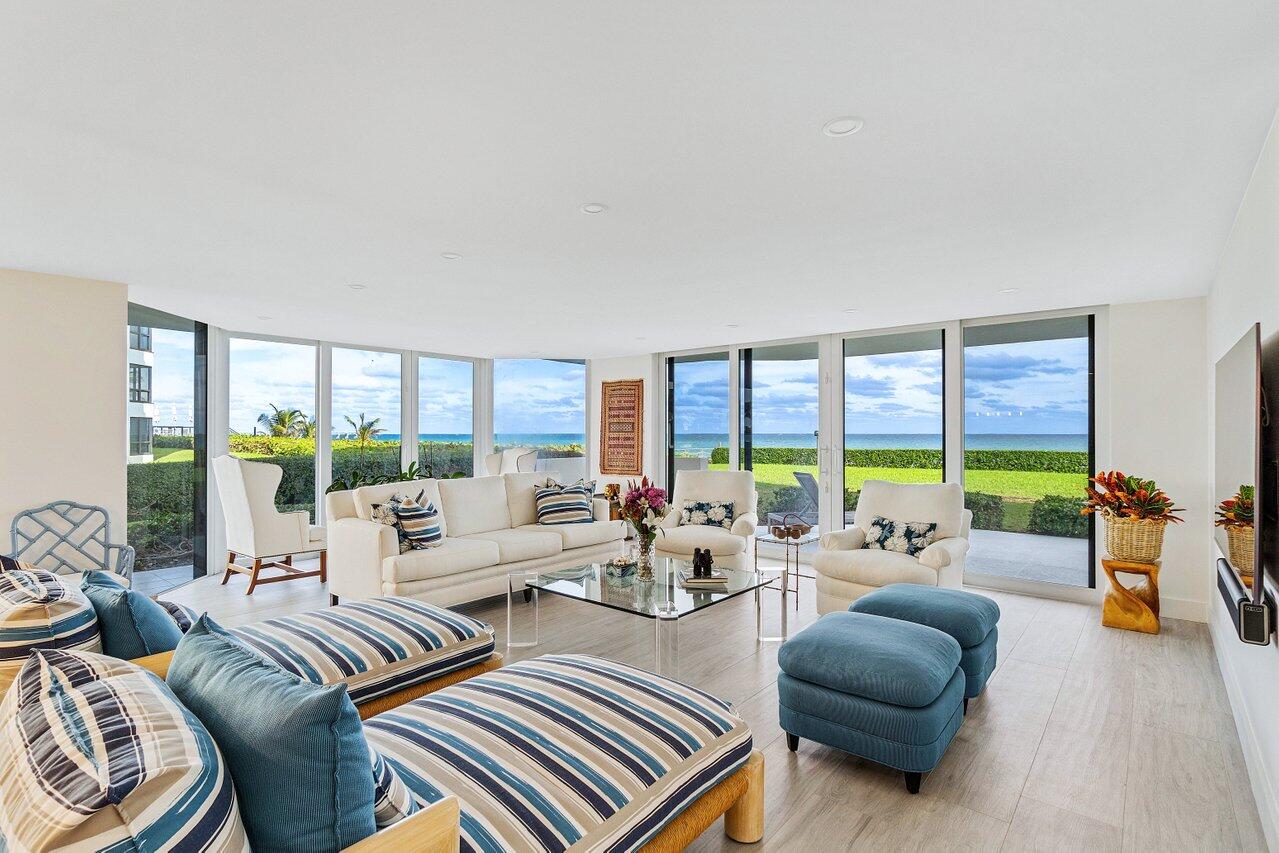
[141, 409]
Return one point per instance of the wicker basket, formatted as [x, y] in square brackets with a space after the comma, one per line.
[1241, 541]
[1137, 540]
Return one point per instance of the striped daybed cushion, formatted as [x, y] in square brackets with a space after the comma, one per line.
[97, 754]
[40, 610]
[377, 646]
[562, 752]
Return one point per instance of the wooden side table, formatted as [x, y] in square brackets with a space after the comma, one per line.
[1134, 608]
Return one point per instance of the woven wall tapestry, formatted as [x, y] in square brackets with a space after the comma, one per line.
[622, 427]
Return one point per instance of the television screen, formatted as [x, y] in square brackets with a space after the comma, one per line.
[1238, 443]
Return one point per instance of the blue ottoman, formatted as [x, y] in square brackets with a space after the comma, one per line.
[879, 688]
[971, 619]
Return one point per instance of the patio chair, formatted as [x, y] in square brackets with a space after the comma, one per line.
[66, 537]
[809, 516]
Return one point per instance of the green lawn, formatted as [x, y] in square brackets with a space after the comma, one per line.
[174, 454]
[1023, 485]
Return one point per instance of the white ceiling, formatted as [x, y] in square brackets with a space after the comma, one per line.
[236, 159]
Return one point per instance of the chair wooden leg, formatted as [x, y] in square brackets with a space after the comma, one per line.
[324, 567]
[253, 577]
[288, 559]
[230, 560]
[744, 820]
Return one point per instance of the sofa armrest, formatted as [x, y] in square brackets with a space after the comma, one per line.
[434, 829]
[849, 539]
[356, 551]
[745, 524]
[943, 552]
[599, 509]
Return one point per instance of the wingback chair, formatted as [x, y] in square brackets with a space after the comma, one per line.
[259, 532]
[846, 571]
[728, 547]
[512, 460]
[65, 537]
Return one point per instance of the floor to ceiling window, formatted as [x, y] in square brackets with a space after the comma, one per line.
[893, 411]
[445, 416]
[779, 418]
[698, 407]
[1028, 448]
[366, 414]
[541, 403]
[163, 480]
[271, 395]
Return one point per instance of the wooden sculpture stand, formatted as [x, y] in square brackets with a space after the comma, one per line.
[1134, 608]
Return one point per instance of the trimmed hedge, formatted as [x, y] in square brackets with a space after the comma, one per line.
[988, 510]
[1055, 515]
[1055, 461]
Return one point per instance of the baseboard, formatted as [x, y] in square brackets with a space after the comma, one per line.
[1183, 608]
[1222, 632]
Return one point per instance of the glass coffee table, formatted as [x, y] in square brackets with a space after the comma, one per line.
[662, 599]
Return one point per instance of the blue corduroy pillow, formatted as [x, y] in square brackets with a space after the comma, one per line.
[296, 750]
[131, 625]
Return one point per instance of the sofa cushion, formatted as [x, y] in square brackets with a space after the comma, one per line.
[474, 505]
[375, 647]
[41, 610]
[521, 496]
[966, 616]
[130, 624]
[683, 539]
[98, 754]
[450, 557]
[884, 659]
[516, 545]
[366, 497]
[296, 750]
[583, 535]
[942, 503]
[873, 568]
[563, 751]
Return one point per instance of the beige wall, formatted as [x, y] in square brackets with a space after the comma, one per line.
[612, 370]
[62, 387]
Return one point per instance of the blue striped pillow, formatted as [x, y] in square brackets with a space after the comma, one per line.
[39, 610]
[558, 504]
[419, 525]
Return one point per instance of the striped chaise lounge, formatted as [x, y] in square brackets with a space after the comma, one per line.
[556, 753]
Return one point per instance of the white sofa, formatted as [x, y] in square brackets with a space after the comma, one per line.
[728, 547]
[846, 571]
[490, 529]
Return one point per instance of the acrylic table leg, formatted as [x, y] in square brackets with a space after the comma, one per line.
[517, 631]
[666, 659]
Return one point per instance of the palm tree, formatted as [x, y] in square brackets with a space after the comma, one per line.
[308, 429]
[282, 422]
[365, 431]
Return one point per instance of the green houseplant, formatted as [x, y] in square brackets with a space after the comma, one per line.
[1135, 512]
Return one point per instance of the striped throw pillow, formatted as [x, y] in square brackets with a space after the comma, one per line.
[98, 754]
[392, 800]
[40, 610]
[419, 525]
[558, 504]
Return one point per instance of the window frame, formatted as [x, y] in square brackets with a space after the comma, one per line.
[149, 435]
[140, 389]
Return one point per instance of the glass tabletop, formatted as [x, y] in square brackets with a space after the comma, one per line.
[811, 536]
[663, 594]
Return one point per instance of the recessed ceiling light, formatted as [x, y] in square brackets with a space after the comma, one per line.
[1009, 289]
[265, 317]
[451, 256]
[357, 286]
[851, 310]
[843, 126]
[641, 338]
[594, 207]
[734, 325]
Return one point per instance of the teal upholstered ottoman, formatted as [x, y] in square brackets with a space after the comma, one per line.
[971, 619]
[883, 689]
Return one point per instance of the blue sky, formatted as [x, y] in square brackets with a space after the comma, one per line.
[538, 396]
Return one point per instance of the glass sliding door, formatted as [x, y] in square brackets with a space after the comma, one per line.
[445, 415]
[697, 402]
[1028, 447]
[366, 414]
[894, 411]
[271, 414]
[541, 403]
[779, 429]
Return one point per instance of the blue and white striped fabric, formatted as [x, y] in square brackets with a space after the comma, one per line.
[558, 504]
[563, 752]
[376, 647]
[419, 525]
[97, 754]
[184, 617]
[392, 801]
[39, 610]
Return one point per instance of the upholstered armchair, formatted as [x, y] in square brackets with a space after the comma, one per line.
[258, 531]
[512, 460]
[728, 547]
[846, 570]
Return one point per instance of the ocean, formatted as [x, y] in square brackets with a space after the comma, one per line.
[701, 444]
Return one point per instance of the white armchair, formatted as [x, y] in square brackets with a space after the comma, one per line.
[846, 571]
[512, 460]
[256, 530]
[728, 547]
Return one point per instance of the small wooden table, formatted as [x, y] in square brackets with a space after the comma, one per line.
[1134, 608]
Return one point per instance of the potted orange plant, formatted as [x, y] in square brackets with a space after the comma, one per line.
[1135, 512]
[1237, 515]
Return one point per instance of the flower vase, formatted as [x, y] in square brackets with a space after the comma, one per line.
[645, 572]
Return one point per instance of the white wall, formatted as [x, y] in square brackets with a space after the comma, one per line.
[1161, 428]
[62, 386]
[612, 370]
[1246, 290]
